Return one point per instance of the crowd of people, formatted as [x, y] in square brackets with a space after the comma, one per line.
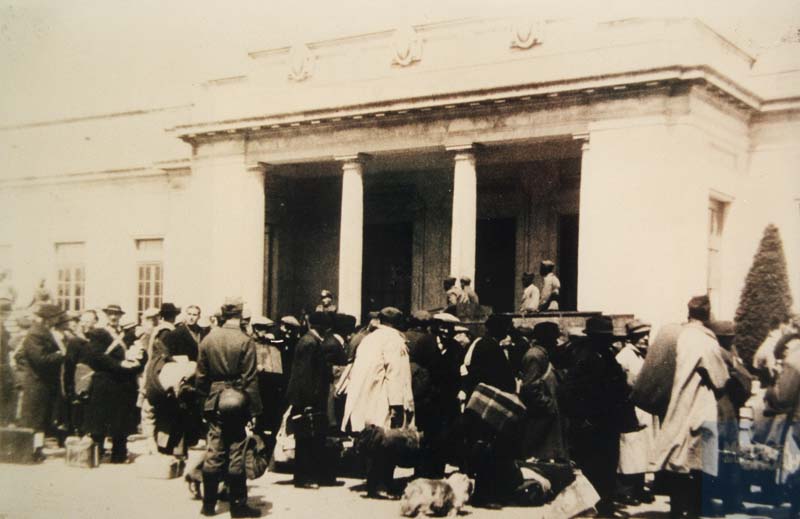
[320, 375]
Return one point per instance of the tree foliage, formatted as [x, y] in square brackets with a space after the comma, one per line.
[766, 300]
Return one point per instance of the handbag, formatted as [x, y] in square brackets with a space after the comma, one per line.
[256, 457]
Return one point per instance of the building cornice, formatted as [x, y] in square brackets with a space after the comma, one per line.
[589, 88]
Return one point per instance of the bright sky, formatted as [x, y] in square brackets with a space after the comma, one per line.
[69, 58]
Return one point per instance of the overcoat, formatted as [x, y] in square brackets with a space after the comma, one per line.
[784, 397]
[635, 448]
[111, 408]
[380, 379]
[689, 436]
[310, 380]
[544, 435]
[39, 364]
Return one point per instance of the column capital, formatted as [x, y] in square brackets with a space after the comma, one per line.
[257, 167]
[583, 139]
[360, 158]
[470, 147]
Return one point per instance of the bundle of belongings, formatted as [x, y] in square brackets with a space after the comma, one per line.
[556, 488]
[500, 410]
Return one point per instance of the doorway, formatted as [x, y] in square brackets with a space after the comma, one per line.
[495, 261]
[386, 278]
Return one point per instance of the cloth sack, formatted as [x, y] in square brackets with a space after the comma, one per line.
[283, 453]
[500, 410]
[653, 386]
[256, 457]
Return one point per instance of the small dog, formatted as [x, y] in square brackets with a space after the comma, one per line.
[436, 497]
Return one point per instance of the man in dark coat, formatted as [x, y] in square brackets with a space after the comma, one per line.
[290, 331]
[491, 457]
[186, 337]
[308, 395]
[111, 408]
[596, 402]
[334, 344]
[226, 370]
[39, 362]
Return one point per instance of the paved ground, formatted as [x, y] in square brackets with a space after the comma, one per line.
[52, 489]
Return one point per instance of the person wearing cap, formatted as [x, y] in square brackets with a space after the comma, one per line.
[635, 447]
[728, 485]
[308, 396]
[530, 295]
[111, 406]
[597, 406]
[226, 376]
[380, 391]
[687, 446]
[447, 371]
[186, 336]
[39, 363]
[326, 303]
[468, 295]
[551, 286]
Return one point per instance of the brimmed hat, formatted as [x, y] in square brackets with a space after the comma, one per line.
[113, 309]
[637, 327]
[344, 324]
[444, 317]
[460, 329]
[546, 331]
[290, 320]
[232, 307]
[260, 321]
[320, 319]
[599, 325]
[49, 311]
[168, 310]
[498, 323]
[422, 316]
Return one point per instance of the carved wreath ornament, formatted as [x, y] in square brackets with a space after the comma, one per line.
[407, 46]
[526, 33]
[301, 62]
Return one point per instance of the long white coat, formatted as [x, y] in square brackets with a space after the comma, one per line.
[380, 378]
[635, 448]
[689, 437]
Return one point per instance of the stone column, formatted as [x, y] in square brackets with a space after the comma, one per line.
[351, 236]
[465, 212]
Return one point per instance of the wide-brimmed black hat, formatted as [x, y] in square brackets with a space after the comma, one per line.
[49, 311]
[497, 324]
[113, 309]
[168, 310]
[599, 325]
[344, 324]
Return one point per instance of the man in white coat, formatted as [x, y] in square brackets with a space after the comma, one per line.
[687, 445]
[379, 392]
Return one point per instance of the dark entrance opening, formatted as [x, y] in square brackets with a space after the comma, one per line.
[495, 259]
[567, 266]
[386, 279]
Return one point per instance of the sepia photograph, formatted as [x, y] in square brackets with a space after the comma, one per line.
[492, 260]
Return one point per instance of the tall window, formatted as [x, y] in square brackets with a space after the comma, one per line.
[716, 224]
[150, 273]
[70, 284]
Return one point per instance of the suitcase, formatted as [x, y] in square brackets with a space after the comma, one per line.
[20, 445]
[500, 410]
[82, 452]
[159, 466]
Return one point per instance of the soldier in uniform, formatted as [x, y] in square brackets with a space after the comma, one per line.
[227, 377]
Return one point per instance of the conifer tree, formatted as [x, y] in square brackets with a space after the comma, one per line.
[766, 300]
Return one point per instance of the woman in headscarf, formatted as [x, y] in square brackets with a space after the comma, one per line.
[543, 436]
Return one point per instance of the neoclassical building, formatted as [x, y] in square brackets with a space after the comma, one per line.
[644, 156]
